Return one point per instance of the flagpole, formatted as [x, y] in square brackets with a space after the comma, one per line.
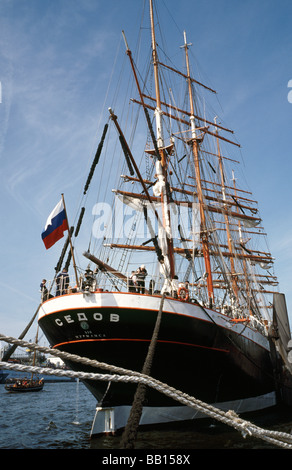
[70, 241]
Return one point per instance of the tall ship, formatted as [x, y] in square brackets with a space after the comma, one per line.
[176, 234]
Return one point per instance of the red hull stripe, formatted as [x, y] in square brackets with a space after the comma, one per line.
[226, 351]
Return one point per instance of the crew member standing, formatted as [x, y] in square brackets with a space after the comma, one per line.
[132, 282]
[141, 274]
[44, 290]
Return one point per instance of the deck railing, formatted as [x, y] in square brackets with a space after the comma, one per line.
[111, 283]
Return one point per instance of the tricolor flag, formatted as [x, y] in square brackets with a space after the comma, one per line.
[55, 225]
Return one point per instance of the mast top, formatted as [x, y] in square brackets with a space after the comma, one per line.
[185, 41]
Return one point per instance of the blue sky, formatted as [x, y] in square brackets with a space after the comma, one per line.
[56, 60]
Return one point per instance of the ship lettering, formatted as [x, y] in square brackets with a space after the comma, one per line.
[81, 316]
[114, 317]
[97, 316]
[91, 335]
[68, 319]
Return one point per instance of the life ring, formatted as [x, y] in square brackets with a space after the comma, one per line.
[183, 294]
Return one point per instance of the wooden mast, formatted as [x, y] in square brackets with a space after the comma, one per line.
[227, 226]
[247, 283]
[161, 165]
[195, 148]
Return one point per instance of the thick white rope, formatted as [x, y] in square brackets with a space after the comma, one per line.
[123, 375]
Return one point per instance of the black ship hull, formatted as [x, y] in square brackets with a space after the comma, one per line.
[200, 352]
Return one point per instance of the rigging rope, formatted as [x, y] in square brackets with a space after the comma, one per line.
[131, 429]
[229, 418]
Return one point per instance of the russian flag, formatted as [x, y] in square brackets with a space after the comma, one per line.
[55, 226]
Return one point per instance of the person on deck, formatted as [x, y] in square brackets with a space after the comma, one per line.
[44, 290]
[141, 274]
[174, 286]
[89, 282]
[133, 282]
[62, 282]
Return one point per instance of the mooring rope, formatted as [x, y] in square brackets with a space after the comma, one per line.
[131, 429]
[229, 418]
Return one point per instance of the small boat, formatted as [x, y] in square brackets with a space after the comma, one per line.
[23, 384]
[18, 385]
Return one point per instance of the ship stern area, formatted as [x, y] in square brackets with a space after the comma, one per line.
[192, 354]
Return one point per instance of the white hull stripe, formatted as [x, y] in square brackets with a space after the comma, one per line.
[110, 420]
